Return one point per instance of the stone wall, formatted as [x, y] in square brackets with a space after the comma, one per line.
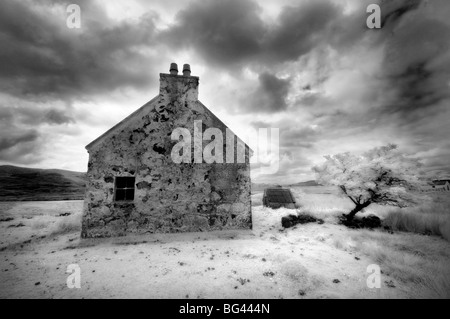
[169, 197]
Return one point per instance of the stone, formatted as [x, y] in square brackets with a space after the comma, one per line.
[370, 222]
[288, 221]
[215, 197]
[291, 220]
[168, 196]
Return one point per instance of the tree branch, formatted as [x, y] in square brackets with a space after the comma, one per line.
[345, 192]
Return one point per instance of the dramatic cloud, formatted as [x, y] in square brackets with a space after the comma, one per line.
[10, 141]
[41, 56]
[57, 117]
[417, 65]
[224, 33]
[16, 145]
[270, 96]
[299, 29]
[310, 68]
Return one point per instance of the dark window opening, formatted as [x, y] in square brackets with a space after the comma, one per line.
[124, 188]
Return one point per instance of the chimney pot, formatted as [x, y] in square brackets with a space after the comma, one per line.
[173, 69]
[187, 70]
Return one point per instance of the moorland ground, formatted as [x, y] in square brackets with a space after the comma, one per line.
[39, 240]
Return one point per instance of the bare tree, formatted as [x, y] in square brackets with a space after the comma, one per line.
[382, 175]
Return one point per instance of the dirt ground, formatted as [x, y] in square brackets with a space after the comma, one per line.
[38, 245]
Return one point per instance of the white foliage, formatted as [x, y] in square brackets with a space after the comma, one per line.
[382, 175]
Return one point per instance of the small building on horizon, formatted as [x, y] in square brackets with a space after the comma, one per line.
[443, 185]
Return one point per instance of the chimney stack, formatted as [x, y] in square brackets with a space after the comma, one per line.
[186, 70]
[173, 69]
[175, 87]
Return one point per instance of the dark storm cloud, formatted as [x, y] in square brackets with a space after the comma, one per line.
[299, 29]
[21, 139]
[392, 11]
[224, 33]
[270, 96]
[7, 142]
[417, 62]
[231, 33]
[413, 81]
[34, 114]
[40, 56]
[18, 145]
[45, 66]
[58, 117]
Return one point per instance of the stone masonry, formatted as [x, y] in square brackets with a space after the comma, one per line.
[168, 197]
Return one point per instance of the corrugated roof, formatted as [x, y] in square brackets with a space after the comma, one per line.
[279, 195]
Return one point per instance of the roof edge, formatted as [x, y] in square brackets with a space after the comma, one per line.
[98, 139]
[220, 121]
[89, 146]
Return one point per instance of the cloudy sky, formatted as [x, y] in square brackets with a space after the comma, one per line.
[310, 68]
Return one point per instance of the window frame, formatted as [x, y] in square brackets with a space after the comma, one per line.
[124, 188]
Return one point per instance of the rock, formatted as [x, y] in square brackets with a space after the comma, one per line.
[268, 274]
[64, 214]
[16, 226]
[215, 197]
[390, 284]
[303, 219]
[370, 221]
[291, 220]
[321, 237]
[336, 281]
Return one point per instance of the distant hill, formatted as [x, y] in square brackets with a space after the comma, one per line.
[22, 184]
[256, 187]
[307, 183]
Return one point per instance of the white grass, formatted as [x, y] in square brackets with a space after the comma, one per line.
[410, 259]
[42, 222]
[430, 218]
[306, 257]
[67, 224]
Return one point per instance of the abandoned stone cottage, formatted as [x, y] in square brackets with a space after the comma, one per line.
[135, 186]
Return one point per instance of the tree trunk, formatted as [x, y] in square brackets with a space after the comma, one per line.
[358, 208]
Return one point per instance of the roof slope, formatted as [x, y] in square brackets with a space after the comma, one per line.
[123, 122]
[149, 105]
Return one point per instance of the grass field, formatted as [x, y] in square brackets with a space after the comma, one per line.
[38, 240]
